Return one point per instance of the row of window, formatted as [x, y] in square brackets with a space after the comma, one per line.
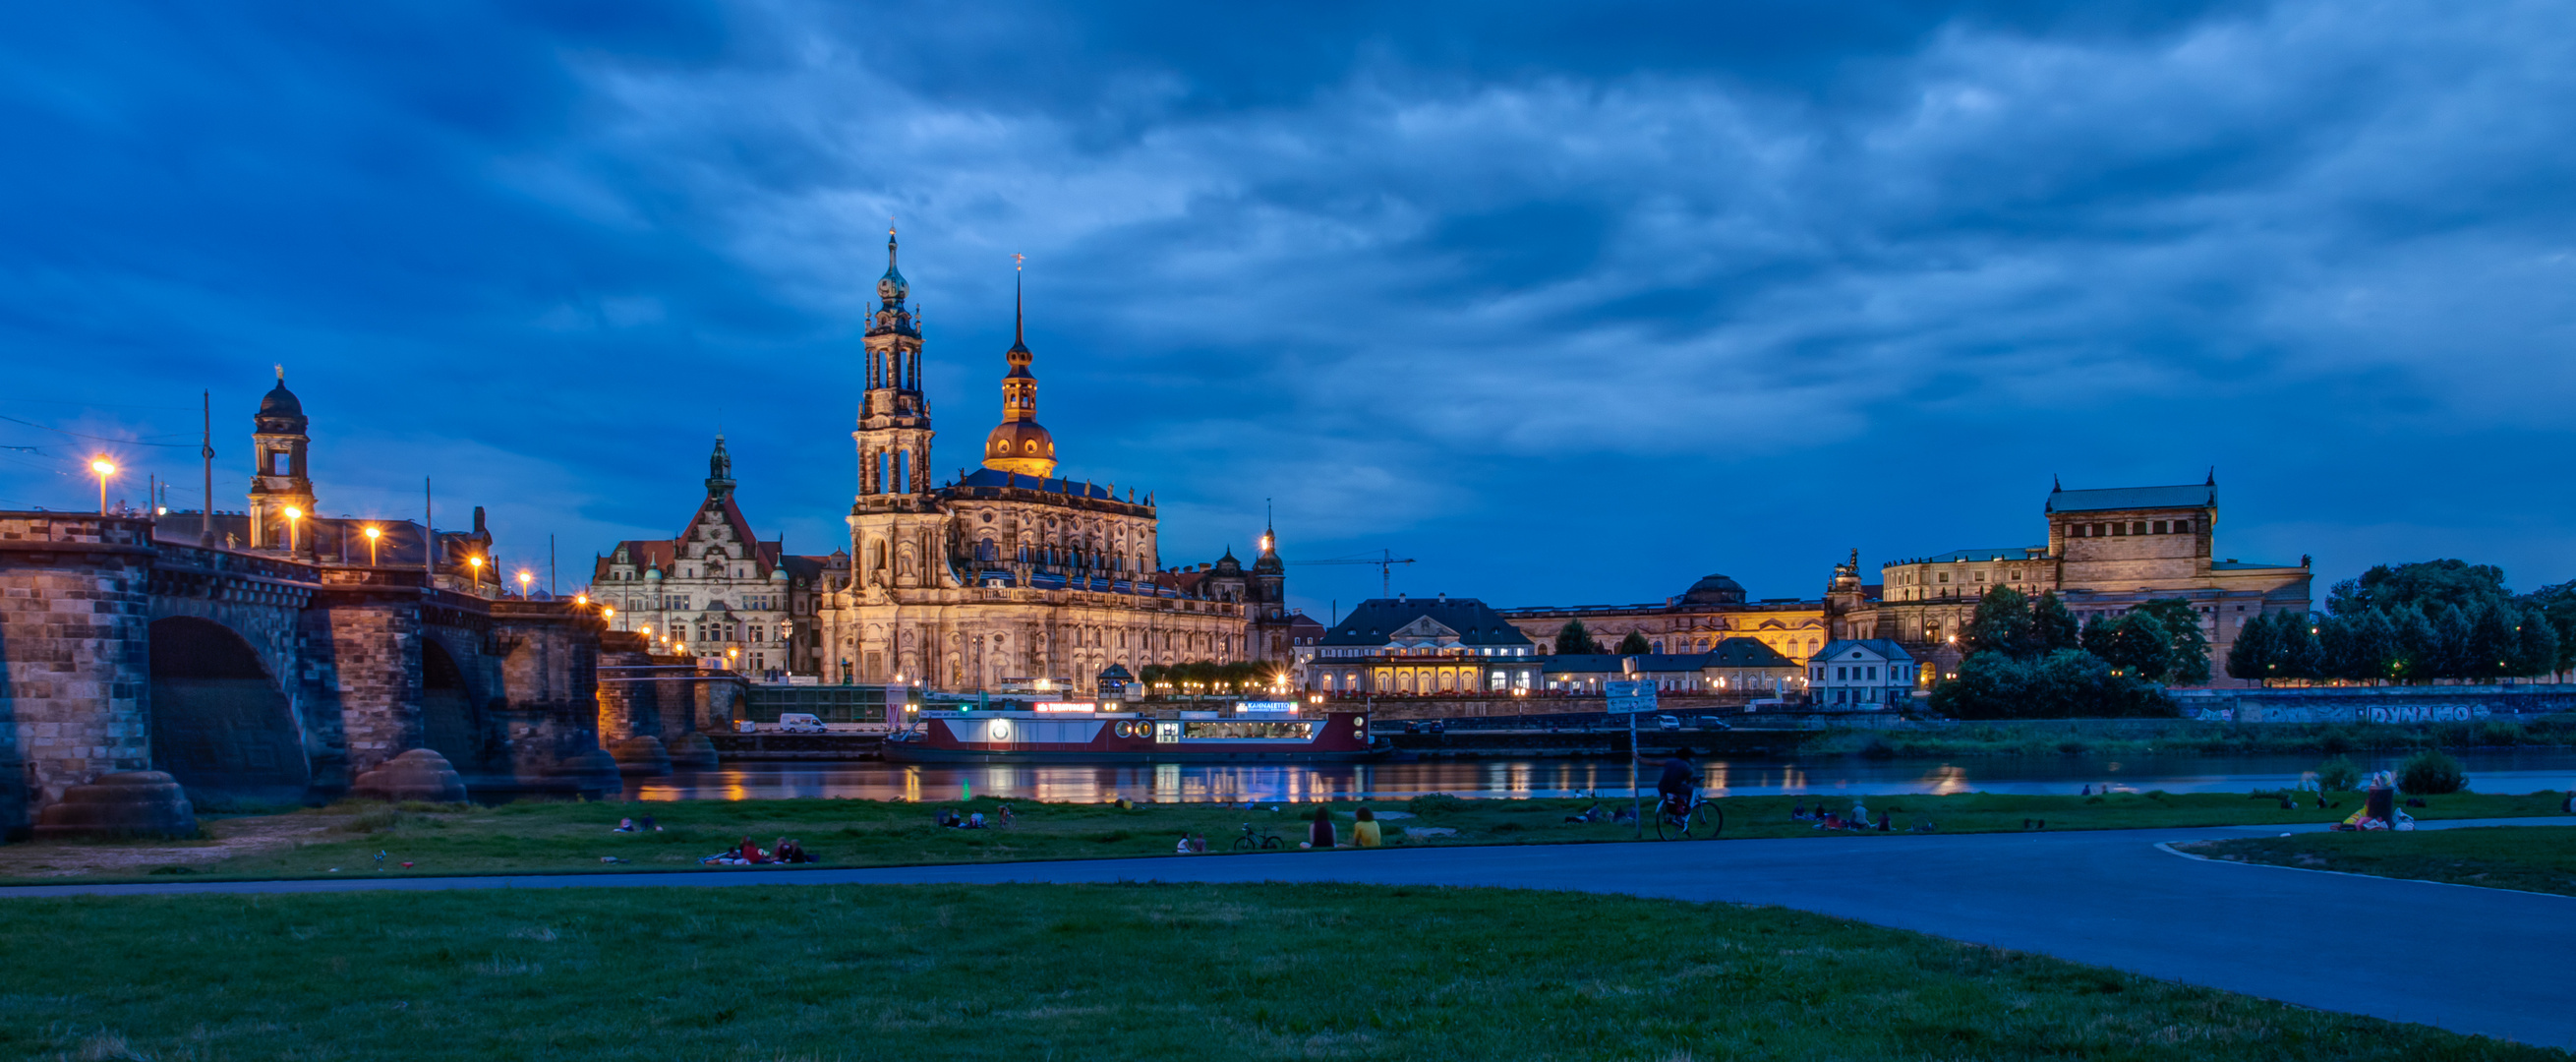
[1862, 672]
[2130, 527]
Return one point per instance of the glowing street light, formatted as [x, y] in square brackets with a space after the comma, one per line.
[373, 533]
[524, 577]
[293, 514]
[477, 563]
[105, 469]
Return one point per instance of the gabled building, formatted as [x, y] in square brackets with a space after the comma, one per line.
[1732, 666]
[715, 589]
[1862, 673]
[1711, 611]
[1424, 647]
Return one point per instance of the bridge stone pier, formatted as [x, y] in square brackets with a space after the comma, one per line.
[259, 678]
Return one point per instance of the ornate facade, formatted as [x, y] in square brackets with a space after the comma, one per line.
[715, 589]
[1009, 571]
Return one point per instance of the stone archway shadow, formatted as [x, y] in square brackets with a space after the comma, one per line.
[221, 724]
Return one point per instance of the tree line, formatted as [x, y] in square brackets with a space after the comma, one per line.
[2030, 660]
[1574, 639]
[2443, 619]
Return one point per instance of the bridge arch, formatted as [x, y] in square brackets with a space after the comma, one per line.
[449, 723]
[220, 722]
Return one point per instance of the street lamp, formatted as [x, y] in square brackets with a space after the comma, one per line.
[293, 514]
[105, 468]
[523, 581]
[477, 563]
[373, 533]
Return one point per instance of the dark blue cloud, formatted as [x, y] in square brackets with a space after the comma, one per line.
[1572, 302]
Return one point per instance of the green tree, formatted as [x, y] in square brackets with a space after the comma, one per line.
[2558, 605]
[1989, 686]
[2493, 642]
[2144, 649]
[2052, 626]
[2001, 624]
[2371, 649]
[1634, 645]
[1573, 640]
[2101, 636]
[2418, 650]
[2295, 650]
[2253, 653]
[2451, 640]
[2427, 585]
[2540, 647]
[2187, 657]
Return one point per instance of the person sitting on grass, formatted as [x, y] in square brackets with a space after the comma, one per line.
[1198, 844]
[624, 826]
[1364, 832]
[1183, 848]
[790, 850]
[1319, 833]
[1882, 822]
[752, 854]
[1800, 812]
[1831, 822]
[648, 826]
[947, 819]
[975, 821]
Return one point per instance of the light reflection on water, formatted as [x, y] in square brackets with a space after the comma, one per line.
[2509, 771]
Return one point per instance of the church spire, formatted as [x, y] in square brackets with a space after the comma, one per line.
[719, 470]
[1019, 444]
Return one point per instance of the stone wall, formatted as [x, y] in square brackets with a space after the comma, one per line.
[74, 677]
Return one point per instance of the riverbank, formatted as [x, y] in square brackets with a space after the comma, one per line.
[2503, 858]
[425, 840]
[2186, 737]
[1111, 972]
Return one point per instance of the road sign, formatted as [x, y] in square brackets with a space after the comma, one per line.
[1627, 698]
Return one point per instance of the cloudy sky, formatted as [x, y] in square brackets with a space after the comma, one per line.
[1573, 303]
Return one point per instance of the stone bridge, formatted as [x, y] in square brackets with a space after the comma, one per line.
[254, 678]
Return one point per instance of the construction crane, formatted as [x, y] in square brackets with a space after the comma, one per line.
[1384, 560]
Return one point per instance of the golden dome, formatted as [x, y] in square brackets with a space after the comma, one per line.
[1020, 446]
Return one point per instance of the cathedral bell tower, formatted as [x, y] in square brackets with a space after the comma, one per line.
[898, 532]
[894, 419]
[280, 482]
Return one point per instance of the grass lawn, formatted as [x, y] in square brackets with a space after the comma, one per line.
[2533, 859]
[572, 838]
[1039, 972]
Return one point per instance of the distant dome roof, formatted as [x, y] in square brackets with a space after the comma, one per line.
[1020, 446]
[1714, 590]
[280, 402]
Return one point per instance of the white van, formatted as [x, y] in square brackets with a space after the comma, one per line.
[1666, 722]
[799, 723]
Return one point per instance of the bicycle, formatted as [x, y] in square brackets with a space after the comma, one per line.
[1253, 840]
[1702, 819]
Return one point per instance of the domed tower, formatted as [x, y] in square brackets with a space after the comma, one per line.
[280, 481]
[1269, 578]
[1714, 590]
[1018, 443]
[894, 418]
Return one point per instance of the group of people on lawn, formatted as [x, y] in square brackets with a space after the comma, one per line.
[1320, 833]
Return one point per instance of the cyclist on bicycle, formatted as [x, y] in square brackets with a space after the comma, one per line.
[1675, 786]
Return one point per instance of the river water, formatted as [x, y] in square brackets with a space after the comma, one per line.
[2490, 771]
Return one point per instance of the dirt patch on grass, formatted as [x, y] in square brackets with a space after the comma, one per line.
[225, 839]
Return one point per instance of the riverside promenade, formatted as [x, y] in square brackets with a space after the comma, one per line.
[2467, 959]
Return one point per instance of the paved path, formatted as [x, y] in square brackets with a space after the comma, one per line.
[2468, 959]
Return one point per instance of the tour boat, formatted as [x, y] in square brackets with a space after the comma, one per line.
[1059, 736]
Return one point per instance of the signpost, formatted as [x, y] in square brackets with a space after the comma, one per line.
[1632, 699]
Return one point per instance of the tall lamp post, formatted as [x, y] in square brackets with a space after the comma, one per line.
[105, 468]
[373, 533]
[293, 514]
[477, 564]
[523, 582]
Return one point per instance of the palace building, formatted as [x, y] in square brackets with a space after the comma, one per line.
[2107, 550]
[1713, 610]
[715, 589]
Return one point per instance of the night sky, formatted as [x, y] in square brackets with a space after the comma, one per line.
[1573, 302]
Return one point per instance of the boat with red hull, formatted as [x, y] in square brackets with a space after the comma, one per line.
[1134, 737]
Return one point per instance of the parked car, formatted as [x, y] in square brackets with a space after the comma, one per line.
[1666, 722]
[1412, 727]
[799, 723]
[1710, 722]
[1437, 726]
